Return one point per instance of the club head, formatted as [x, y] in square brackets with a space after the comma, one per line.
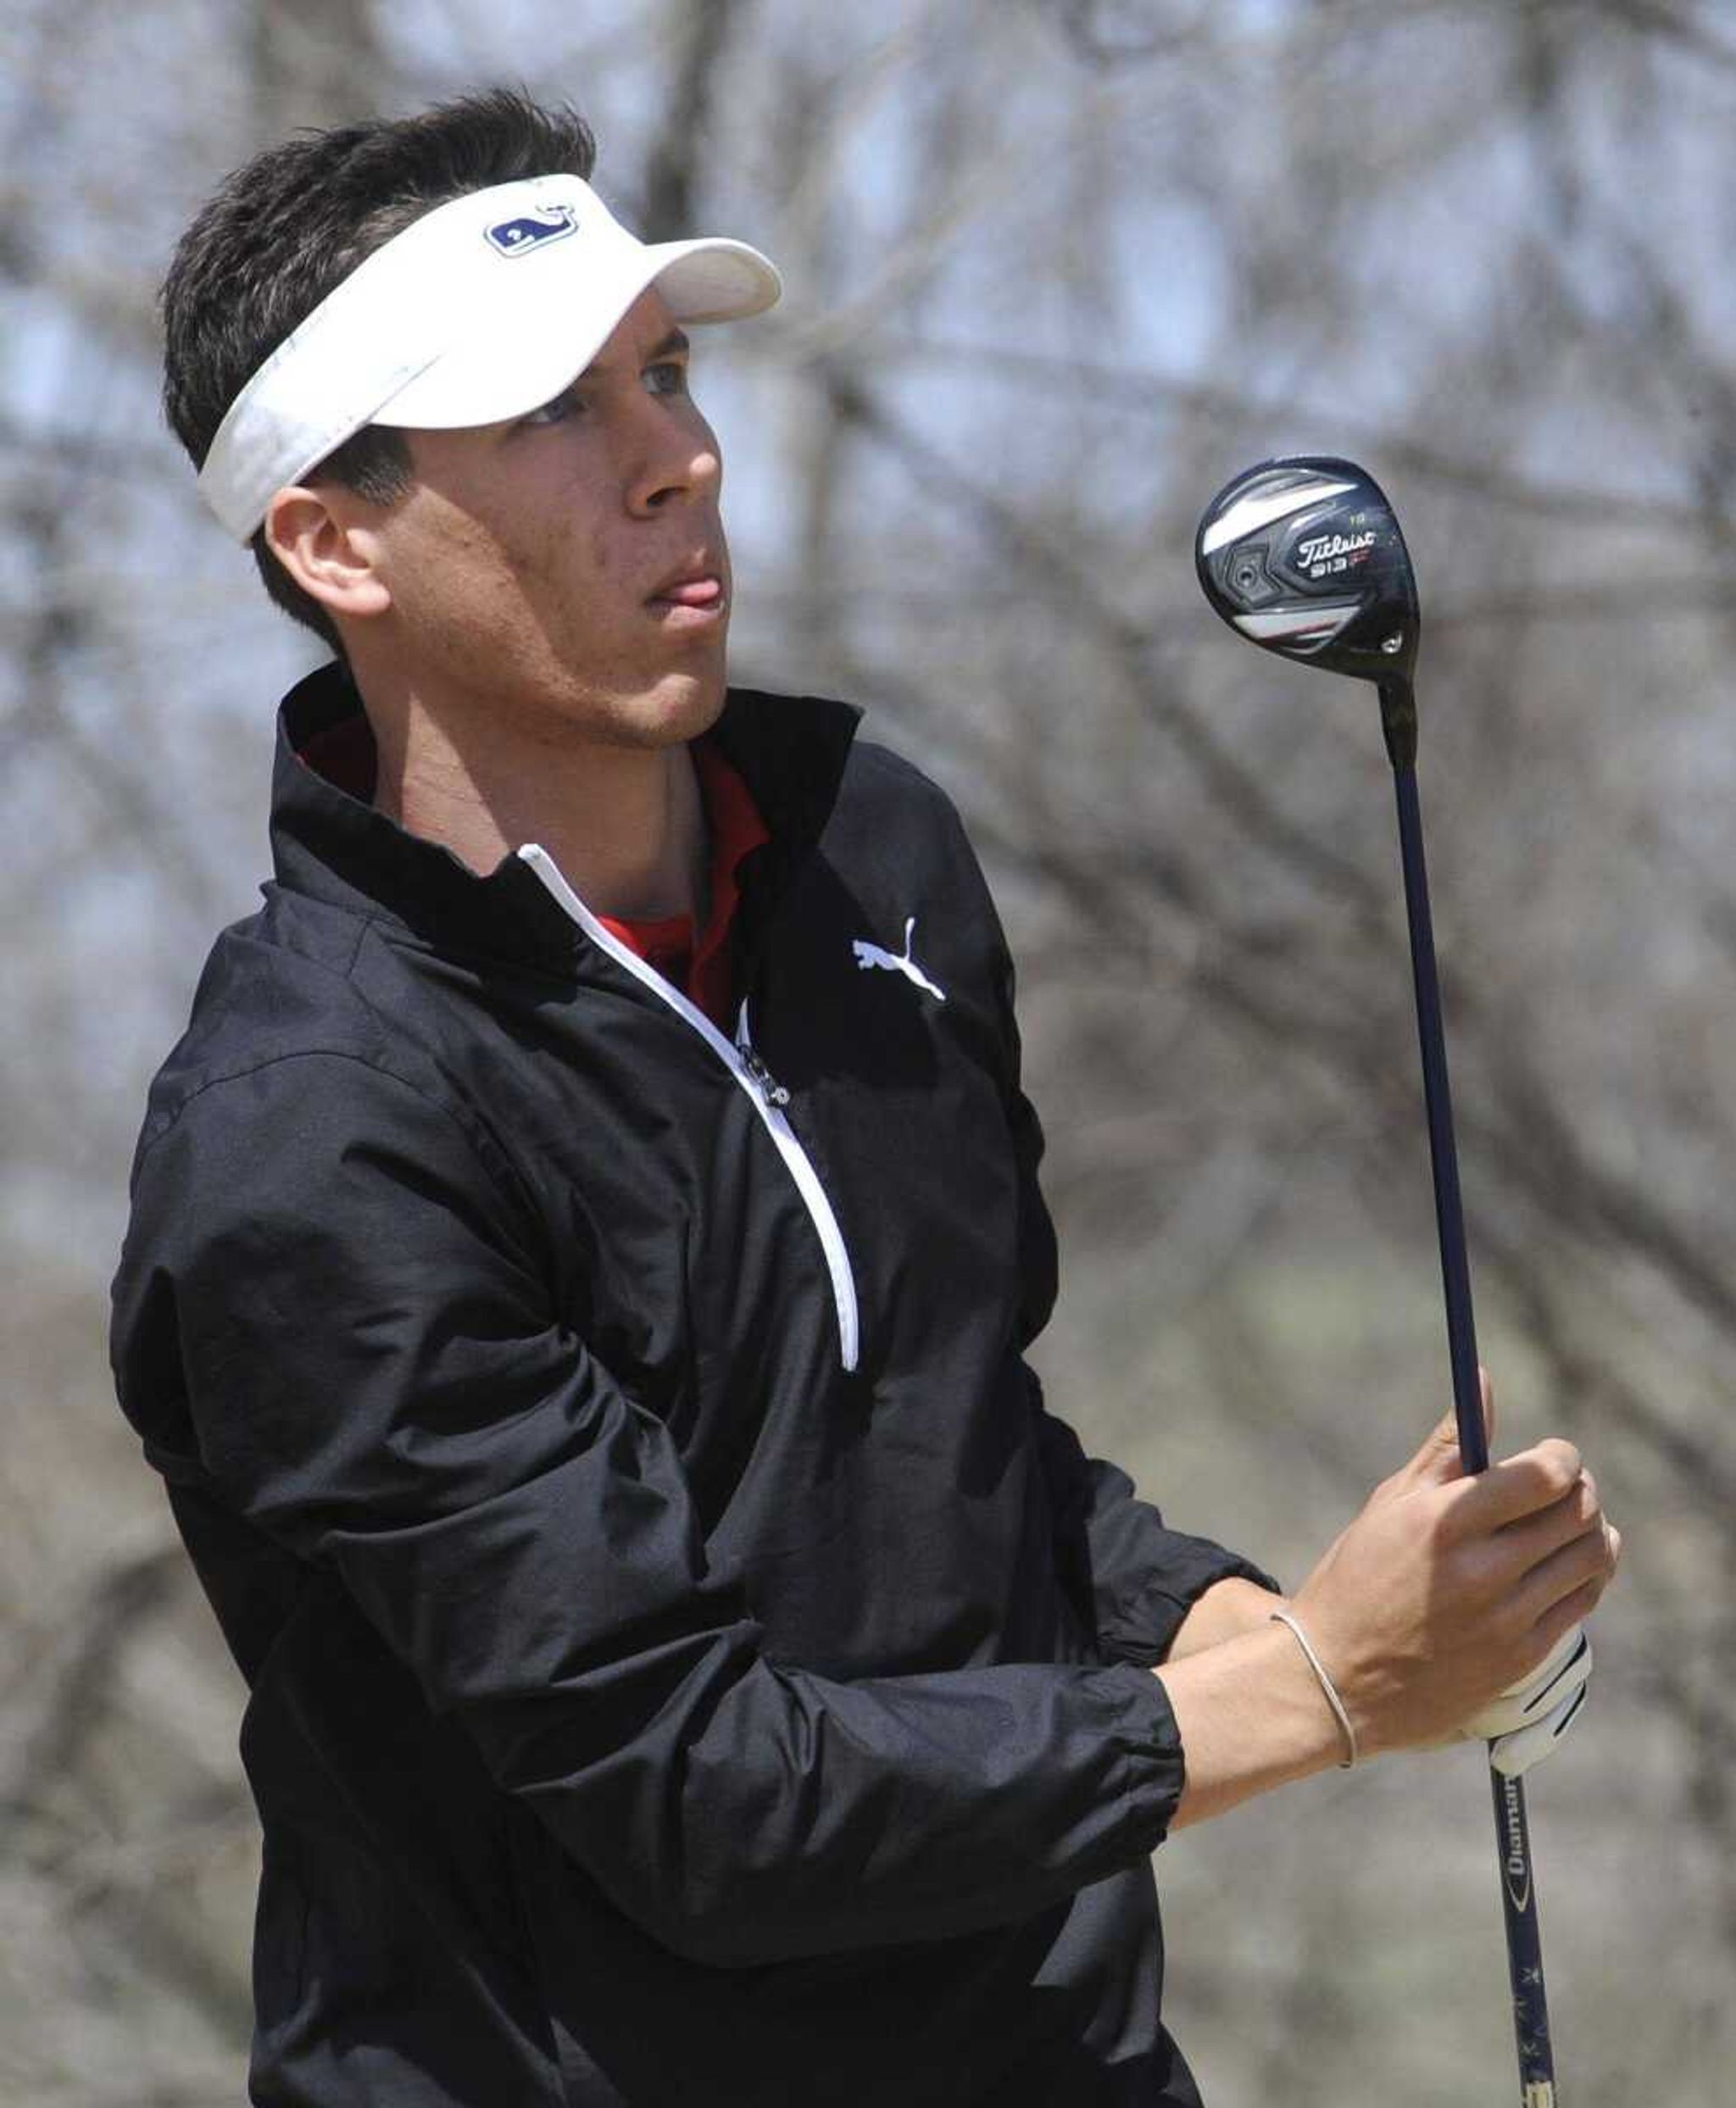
[1304, 556]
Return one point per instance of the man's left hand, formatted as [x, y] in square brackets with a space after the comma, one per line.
[1527, 1722]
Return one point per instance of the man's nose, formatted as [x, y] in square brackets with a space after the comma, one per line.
[678, 459]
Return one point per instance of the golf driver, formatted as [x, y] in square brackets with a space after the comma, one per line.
[1304, 555]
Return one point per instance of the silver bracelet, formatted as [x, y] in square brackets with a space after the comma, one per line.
[1283, 1617]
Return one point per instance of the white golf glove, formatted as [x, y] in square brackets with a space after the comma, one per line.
[1525, 1722]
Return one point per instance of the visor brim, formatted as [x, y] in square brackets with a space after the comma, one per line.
[525, 350]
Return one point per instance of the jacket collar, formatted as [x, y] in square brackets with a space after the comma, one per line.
[333, 846]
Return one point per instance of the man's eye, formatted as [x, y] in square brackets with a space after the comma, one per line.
[669, 377]
[555, 411]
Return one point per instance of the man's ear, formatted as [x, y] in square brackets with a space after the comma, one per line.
[328, 548]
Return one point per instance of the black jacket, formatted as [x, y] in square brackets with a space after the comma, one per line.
[688, 1663]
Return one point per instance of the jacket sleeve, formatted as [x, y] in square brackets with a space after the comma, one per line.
[352, 1288]
[1134, 1578]
[1138, 1577]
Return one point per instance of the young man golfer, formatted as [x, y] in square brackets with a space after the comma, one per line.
[580, 1258]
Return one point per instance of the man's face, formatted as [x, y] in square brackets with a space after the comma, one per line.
[565, 573]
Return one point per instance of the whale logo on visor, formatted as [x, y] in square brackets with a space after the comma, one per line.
[532, 230]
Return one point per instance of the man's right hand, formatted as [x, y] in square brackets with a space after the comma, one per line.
[1447, 1589]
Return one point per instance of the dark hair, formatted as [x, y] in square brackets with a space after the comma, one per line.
[287, 227]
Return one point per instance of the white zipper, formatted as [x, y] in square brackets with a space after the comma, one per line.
[767, 1096]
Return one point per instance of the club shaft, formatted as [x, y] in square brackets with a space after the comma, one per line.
[1531, 2023]
[1443, 1155]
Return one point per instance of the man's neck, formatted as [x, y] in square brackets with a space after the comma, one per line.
[626, 825]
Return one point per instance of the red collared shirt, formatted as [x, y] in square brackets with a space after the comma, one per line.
[704, 969]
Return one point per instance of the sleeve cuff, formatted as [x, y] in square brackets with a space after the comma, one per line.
[1154, 1767]
[1142, 1630]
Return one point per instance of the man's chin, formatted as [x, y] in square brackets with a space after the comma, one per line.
[676, 708]
[680, 708]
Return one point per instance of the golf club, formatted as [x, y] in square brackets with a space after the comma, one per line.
[1304, 555]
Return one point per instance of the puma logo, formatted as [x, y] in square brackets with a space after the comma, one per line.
[869, 955]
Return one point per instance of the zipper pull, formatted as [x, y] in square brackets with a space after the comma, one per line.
[770, 1088]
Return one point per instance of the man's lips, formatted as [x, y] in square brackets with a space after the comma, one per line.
[694, 592]
[696, 585]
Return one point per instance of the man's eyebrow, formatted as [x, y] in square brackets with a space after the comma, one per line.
[676, 343]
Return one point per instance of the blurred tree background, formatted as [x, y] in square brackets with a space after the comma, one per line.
[1056, 270]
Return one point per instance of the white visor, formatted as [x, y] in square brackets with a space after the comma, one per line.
[484, 308]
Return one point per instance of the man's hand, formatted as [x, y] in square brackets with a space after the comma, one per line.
[1444, 1593]
[1447, 1590]
[1526, 1724]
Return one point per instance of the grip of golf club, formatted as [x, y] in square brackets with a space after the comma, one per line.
[1531, 2019]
